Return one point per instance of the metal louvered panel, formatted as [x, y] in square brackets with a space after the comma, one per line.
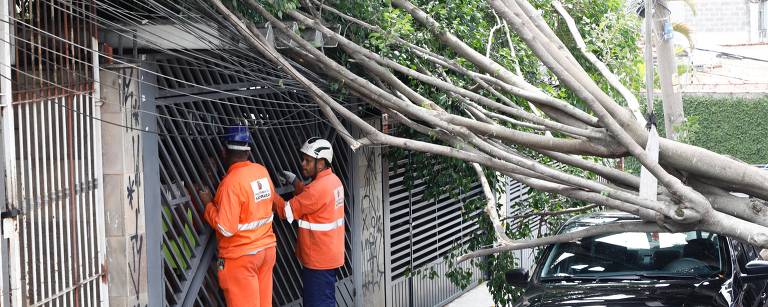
[195, 103]
[516, 192]
[422, 231]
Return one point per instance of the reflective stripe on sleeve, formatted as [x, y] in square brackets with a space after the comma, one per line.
[256, 251]
[288, 212]
[321, 227]
[255, 224]
[224, 231]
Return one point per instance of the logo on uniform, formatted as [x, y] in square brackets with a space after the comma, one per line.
[261, 189]
[338, 195]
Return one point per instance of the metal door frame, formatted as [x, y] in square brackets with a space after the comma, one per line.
[10, 294]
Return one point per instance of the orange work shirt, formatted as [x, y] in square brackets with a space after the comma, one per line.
[241, 211]
[319, 211]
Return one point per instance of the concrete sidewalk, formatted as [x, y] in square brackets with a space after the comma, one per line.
[477, 297]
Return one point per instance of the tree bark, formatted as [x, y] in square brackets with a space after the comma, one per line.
[565, 237]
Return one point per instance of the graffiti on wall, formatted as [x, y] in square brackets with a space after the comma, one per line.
[130, 105]
[373, 261]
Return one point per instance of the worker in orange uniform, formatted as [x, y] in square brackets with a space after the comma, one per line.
[318, 209]
[241, 214]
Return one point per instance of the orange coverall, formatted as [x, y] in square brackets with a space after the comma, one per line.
[319, 211]
[241, 213]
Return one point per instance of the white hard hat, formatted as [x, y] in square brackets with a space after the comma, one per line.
[318, 148]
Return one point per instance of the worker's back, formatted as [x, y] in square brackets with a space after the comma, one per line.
[245, 198]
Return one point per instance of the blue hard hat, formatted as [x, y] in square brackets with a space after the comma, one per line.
[238, 138]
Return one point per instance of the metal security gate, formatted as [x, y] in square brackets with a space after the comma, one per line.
[57, 146]
[423, 229]
[198, 97]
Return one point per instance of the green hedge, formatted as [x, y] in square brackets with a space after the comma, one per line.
[732, 126]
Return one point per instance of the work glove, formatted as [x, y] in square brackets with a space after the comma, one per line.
[286, 177]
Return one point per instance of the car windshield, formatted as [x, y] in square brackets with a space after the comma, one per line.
[635, 254]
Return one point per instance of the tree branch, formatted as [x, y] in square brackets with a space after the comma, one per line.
[351, 47]
[750, 209]
[257, 40]
[612, 79]
[490, 205]
[694, 205]
[484, 63]
[610, 174]
[552, 213]
[565, 237]
[647, 212]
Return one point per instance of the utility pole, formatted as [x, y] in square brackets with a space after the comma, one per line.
[671, 99]
[648, 182]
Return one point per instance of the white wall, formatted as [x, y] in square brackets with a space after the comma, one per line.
[719, 21]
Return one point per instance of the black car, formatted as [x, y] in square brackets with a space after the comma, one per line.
[695, 268]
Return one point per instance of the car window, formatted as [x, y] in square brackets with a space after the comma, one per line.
[695, 253]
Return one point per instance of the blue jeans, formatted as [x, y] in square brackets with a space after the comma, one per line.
[319, 287]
